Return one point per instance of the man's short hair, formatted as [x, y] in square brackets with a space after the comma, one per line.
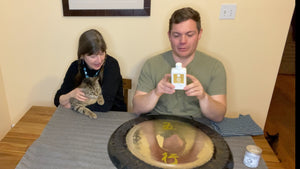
[184, 14]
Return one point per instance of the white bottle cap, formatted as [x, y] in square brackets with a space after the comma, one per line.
[178, 65]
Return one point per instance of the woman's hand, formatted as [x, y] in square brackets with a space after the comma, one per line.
[76, 93]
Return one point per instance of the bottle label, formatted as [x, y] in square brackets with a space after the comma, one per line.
[178, 78]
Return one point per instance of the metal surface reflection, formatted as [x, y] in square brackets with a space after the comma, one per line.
[169, 143]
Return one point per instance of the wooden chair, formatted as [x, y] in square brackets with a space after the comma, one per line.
[126, 87]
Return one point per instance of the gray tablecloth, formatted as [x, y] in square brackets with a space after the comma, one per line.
[71, 140]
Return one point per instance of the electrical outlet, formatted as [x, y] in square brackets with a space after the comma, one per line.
[228, 11]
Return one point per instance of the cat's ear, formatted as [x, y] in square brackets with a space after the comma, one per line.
[89, 81]
[96, 78]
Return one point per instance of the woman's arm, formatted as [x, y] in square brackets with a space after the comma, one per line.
[67, 87]
[111, 86]
[64, 99]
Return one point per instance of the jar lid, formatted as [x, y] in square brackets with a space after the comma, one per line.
[254, 149]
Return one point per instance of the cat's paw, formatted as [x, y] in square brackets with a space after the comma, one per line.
[93, 115]
[100, 101]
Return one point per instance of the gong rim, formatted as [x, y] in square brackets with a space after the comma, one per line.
[122, 157]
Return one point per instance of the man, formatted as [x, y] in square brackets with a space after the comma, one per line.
[205, 92]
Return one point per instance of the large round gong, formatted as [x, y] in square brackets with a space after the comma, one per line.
[168, 142]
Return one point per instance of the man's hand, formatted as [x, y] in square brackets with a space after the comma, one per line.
[213, 107]
[145, 102]
[195, 88]
[164, 86]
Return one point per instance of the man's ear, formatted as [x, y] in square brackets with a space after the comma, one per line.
[200, 34]
[169, 34]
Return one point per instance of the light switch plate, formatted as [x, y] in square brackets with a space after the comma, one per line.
[228, 11]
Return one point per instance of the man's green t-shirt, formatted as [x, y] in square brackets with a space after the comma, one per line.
[208, 70]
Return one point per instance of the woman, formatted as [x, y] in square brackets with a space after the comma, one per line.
[93, 61]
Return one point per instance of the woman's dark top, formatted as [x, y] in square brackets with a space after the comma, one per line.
[112, 86]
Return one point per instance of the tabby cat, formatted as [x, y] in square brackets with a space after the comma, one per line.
[273, 141]
[92, 89]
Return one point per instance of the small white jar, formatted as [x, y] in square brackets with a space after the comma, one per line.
[252, 156]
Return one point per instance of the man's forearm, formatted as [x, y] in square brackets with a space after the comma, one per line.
[213, 107]
[144, 102]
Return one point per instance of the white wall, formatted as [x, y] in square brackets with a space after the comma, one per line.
[38, 44]
[5, 121]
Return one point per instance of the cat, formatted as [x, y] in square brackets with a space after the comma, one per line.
[273, 141]
[92, 89]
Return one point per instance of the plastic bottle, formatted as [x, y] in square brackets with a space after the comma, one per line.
[178, 76]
